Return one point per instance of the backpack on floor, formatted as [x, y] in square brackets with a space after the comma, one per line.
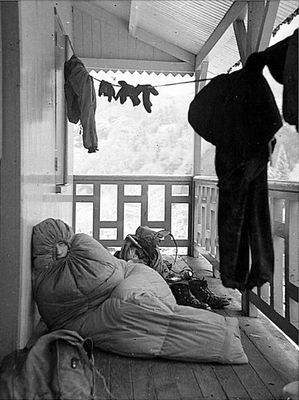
[144, 246]
[60, 365]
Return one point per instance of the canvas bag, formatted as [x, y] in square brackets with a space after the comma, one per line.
[144, 246]
[60, 365]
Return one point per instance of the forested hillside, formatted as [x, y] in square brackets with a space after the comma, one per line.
[133, 141]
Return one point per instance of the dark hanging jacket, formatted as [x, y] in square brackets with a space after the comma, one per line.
[237, 112]
[282, 61]
[81, 100]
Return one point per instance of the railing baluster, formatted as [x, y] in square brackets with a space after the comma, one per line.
[141, 198]
[293, 259]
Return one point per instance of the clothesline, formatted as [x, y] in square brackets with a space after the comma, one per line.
[165, 84]
[162, 85]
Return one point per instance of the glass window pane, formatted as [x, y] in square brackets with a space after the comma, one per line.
[180, 190]
[84, 218]
[108, 234]
[132, 190]
[108, 203]
[179, 220]
[132, 217]
[156, 202]
[84, 189]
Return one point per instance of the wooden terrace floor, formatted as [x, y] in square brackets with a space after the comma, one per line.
[273, 362]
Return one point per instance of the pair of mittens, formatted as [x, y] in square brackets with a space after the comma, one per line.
[133, 92]
[128, 91]
[147, 90]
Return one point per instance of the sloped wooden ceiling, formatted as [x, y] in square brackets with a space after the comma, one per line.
[103, 41]
[174, 36]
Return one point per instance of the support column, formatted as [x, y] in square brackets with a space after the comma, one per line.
[260, 22]
[10, 178]
[199, 74]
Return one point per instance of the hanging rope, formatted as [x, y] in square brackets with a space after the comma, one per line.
[165, 84]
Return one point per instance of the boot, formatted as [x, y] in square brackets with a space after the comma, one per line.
[199, 288]
[184, 297]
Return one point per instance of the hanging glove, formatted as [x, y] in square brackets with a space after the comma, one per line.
[128, 91]
[107, 90]
[146, 91]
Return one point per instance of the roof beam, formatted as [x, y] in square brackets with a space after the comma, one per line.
[241, 36]
[165, 46]
[267, 25]
[256, 11]
[133, 17]
[136, 65]
[232, 14]
[261, 19]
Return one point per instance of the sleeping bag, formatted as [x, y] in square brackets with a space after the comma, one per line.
[126, 308]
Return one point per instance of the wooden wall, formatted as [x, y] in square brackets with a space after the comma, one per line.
[27, 169]
[99, 34]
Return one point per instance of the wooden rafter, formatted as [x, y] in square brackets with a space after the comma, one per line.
[165, 46]
[133, 20]
[241, 34]
[261, 19]
[232, 14]
[256, 11]
[266, 28]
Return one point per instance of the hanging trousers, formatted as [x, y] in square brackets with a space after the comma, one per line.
[244, 228]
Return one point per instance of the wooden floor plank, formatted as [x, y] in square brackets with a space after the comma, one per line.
[186, 382]
[271, 378]
[142, 380]
[102, 363]
[164, 381]
[208, 382]
[280, 353]
[120, 378]
[230, 382]
[252, 382]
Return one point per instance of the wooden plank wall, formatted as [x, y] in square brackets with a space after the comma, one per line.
[99, 34]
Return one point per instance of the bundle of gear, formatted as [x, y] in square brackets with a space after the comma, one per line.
[188, 290]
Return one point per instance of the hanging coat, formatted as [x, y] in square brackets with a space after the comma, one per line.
[237, 112]
[81, 100]
[282, 61]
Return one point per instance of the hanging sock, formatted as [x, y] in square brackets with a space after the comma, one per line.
[146, 91]
[106, 89]
[128, 91]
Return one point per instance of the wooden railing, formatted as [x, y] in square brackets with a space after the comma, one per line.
[278, 301]
[110, 207]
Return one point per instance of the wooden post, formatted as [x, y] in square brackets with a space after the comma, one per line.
[260, 21]
[255, 18]
[199, 74]
[293, 252]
